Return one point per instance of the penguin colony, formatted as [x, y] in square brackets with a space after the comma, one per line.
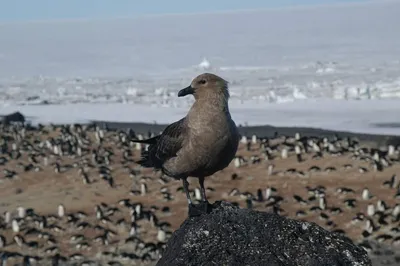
[73, 193]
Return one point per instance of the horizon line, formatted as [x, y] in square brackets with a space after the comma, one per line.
[230, 11]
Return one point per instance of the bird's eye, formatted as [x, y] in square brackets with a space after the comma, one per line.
[203, 81]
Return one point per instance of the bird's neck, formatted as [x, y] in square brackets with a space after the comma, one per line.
[205, 112]
[216, 103]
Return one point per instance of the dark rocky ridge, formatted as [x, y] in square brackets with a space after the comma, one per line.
[262, 131]
[15, 117]
[383, 254]
[233, 236]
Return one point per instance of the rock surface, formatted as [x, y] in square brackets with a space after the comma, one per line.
[233, 236]
[383, 254]
[15, 117]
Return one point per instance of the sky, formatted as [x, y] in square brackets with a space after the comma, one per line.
[25, 10]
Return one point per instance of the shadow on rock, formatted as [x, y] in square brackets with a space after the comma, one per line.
[233, 236]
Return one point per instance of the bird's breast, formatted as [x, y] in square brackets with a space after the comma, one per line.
[212, 139]
[214, 146]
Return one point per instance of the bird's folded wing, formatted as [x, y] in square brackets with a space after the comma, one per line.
[169, 142]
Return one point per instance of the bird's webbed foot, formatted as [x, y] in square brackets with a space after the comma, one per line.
[203, 207]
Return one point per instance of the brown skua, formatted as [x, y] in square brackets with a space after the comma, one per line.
[200, 144]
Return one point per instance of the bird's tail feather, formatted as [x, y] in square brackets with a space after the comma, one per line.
[145, 162]
[147, 141]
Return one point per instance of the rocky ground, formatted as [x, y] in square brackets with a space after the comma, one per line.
[76, 194]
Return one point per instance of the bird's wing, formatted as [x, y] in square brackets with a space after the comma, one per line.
[165, 146]
[171, 140]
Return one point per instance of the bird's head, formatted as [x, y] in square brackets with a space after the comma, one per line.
[206, 85]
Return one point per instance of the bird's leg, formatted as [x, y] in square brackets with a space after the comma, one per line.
[204, 200]
[193, 211]
[202, 189]
[186, 189]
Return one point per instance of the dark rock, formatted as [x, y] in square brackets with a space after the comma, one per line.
[233, 236]
[384, 254]
[15, 117]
